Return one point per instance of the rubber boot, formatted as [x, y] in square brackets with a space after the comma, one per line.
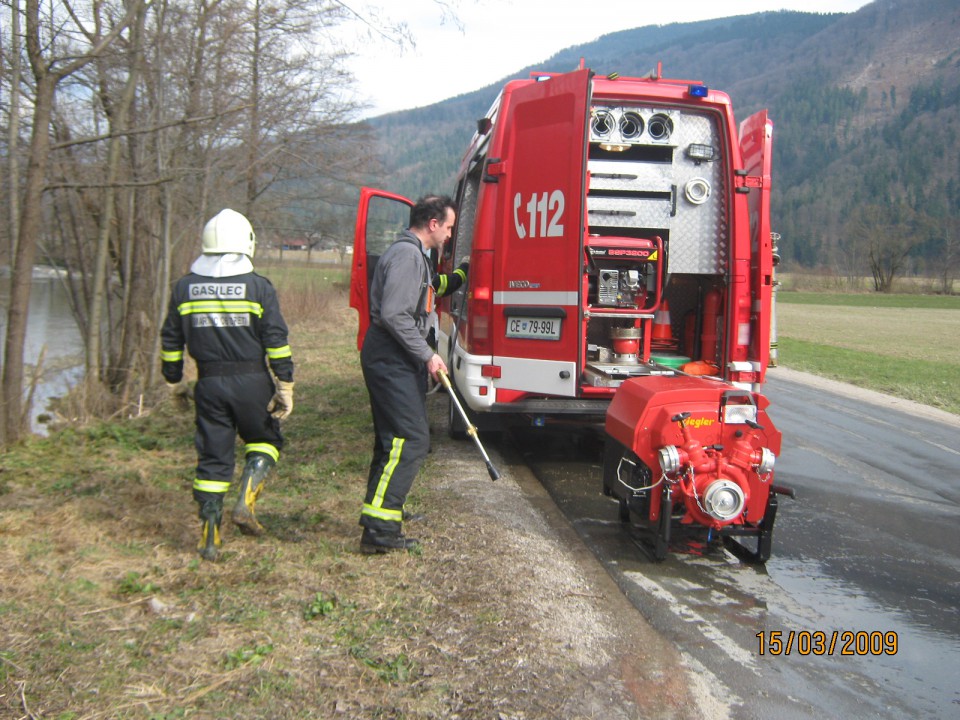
[211, 513]
[251, 483]
[381, 541]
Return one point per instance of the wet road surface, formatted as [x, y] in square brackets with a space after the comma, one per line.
[868, 555]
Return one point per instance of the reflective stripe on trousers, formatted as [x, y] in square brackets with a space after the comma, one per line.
[397, 385]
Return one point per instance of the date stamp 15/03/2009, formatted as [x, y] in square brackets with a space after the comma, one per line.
[831, 642]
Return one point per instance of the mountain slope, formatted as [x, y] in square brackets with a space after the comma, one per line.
[864, 106]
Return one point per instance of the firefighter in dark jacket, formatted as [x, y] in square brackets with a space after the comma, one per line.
[448, 283]
[228, 318]
[396, 360]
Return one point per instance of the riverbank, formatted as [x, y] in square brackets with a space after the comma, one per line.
[53, 348]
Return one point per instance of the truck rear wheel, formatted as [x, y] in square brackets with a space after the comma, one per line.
[456, 427]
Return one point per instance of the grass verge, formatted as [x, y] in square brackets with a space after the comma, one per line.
[923, 381]
[106, 610]
[902, 345]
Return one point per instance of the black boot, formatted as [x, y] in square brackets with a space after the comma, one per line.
[381, 541]
[211, 513]
[251, 483]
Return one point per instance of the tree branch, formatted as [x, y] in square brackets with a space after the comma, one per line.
[86, 186]
[97, 49]
[147, 130]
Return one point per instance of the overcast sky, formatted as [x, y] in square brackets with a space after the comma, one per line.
[499, 37]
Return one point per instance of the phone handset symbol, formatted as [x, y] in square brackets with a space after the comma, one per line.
[521, 231]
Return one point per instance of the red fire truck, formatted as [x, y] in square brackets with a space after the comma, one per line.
[621, 269]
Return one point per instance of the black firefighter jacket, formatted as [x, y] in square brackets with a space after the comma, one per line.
[233, 319]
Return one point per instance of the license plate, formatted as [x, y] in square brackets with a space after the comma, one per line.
[536, 328]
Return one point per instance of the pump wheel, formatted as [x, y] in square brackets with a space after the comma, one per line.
[624, 511]
[763, 534]
[661, 544]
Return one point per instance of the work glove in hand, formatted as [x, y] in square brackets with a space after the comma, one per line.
[180, 394]
[281, 404]
[179, 390]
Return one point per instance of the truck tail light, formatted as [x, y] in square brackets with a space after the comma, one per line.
[480, 303]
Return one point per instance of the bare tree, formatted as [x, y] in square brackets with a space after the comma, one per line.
[43, 38]
[149, 116]
[117, 115]
[950, 262]
[14, 53]
[889, 233]
[851, 257]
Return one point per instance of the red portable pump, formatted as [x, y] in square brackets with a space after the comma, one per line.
[597, 212]
[696, 451]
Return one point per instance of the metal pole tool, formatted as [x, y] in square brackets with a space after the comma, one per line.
[471, 428]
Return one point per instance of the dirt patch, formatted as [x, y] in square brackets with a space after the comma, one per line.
[577, 645]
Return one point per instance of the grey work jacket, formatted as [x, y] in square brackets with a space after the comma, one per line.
[400, 294]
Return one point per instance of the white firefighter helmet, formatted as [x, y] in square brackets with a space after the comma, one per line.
[229, 232]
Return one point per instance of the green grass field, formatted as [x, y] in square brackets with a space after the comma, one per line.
[903, 345]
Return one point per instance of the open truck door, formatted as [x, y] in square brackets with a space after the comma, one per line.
[381, 216]
[538, 167]
[756, 143]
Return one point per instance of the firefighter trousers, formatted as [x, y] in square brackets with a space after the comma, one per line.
[397, 385]
[225, 406]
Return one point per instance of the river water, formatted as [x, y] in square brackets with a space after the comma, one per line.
[51, 330]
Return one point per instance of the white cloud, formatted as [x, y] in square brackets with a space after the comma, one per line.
[499, 37]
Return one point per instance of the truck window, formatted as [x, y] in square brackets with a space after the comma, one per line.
[462, 242]
[386, 219]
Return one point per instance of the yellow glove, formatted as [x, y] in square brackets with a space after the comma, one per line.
[281, 404]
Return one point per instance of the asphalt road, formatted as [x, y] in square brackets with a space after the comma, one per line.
[868, 555]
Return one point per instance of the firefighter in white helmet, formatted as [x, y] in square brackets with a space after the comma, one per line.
[228, 318]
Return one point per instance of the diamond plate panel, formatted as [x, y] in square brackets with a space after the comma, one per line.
[670, 193]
